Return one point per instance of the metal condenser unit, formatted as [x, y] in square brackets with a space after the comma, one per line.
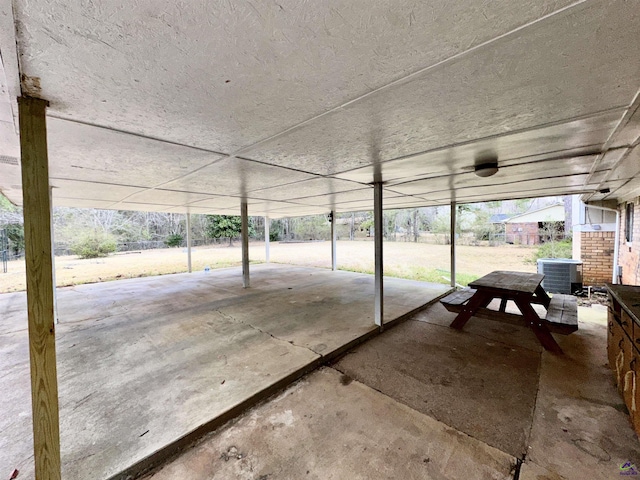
[561, 275]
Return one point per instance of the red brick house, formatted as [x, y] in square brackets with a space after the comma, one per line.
[537, 226]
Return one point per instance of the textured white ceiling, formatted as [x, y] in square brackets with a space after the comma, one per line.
[297, 106]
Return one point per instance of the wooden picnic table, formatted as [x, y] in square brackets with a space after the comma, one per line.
[525, 290]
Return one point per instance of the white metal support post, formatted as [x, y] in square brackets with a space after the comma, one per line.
[453, 243]
[245, 243]
[334, 262]
[188, 226]
[378, 231]
[267, 224]
[40, 287]
[53, 260]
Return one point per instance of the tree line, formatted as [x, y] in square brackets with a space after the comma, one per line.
[92, 232]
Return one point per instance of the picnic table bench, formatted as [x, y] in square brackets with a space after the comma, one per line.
[524, 290]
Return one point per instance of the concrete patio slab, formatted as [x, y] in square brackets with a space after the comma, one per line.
[581, 428]
[483, 385]
[144, 362]
[578, 427]
[329, 427]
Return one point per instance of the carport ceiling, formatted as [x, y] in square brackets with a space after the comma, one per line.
[299, 106]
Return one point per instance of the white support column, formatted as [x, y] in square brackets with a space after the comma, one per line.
[245, 243]
[40, 287]
[267, 224]
[53, 260]
[188, 226]
[453, 243]
[378, 234]
[334, 262]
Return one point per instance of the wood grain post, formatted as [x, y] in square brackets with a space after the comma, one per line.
[40, 287]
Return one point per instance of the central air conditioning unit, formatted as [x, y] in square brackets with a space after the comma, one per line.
[561, 275]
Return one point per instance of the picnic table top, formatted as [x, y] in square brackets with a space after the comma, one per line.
[511, 281]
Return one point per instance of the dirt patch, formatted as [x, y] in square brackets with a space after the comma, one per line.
[597, 298]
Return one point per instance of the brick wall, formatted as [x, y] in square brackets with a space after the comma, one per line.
[596, 253]
[629, 253]
[528, 235]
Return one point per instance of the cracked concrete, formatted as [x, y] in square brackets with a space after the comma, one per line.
[325, 428]
[143, 362]
[257, 329]
[424, 402]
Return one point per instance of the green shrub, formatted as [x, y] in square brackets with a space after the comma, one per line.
[173, 240]
[557, 249]
[15, 234]
[226, 226]
[94, 245]
[274, 236]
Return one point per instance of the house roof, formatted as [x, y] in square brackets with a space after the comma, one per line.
[499, 217]
[551, 213]
[298, 107]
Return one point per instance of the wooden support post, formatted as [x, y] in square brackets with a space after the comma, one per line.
[267, 224]
[334, 262]
[453, 244]
[188, 227]
[378, 235]
[40, 287]
[245, 243]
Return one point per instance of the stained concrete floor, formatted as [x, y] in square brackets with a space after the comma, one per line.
[143, 362]
[328, 427]
[423, 402]
[482, 381]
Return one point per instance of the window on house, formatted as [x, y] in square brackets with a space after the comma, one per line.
[628, 222]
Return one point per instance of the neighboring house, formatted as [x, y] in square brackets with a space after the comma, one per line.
[537, 226]
[499, 218]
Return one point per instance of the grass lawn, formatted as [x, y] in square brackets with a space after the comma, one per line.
[416, 261]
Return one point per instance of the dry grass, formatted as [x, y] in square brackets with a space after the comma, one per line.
[408, 260]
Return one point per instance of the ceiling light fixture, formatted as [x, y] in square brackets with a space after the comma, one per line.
[486, 164]
[486, 169]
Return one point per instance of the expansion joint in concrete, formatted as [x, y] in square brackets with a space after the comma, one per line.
[535, 407]
[334, 367]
